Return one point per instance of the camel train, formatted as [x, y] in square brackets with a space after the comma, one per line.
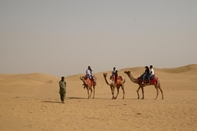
[117, 82]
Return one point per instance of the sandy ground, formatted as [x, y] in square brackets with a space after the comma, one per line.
[30, 102]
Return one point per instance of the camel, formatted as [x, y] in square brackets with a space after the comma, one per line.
[118, 84]
[136, 81]
[89, 86]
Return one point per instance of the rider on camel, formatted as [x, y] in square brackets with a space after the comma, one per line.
[151, 74]
[145, 74]
[89, 74]
[114, 74]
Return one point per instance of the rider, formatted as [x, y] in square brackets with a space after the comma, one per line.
[151, 74]
[89, 74]
[146, 73]
[114, 74]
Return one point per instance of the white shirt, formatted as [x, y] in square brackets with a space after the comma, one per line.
[152, 72]
[114, 72]
[88, 72]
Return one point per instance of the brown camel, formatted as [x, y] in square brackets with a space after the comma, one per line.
[89, 86]
[113, 85]
[136, 81]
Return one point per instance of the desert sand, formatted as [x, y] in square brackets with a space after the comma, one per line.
[30, 102]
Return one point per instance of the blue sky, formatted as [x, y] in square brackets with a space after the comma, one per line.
[64, 37]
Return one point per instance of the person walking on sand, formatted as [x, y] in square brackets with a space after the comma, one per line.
[62, 91]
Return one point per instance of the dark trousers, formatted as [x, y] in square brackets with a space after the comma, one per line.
[115, 78]
[62, 95]
[150, 77]
[144, 76]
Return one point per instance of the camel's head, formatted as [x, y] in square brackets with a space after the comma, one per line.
[83, 80]
[81, 77]
[105, 74]
[127, 72]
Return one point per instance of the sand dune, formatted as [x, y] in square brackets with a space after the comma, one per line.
[182, 69]
[31, 102]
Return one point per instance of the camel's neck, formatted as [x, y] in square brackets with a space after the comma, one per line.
[134, 80]
[106, 80]
[84, 82]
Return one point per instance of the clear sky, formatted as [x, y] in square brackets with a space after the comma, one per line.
[63, 37]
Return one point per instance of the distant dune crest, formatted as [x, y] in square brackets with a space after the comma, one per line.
[44, 78]
[183, 69]
[191, 69]
[24, 79]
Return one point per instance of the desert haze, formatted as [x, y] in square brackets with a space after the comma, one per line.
[30, 102]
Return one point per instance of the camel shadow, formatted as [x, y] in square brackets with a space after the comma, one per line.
[84, 98]
[52, 102]
[75, 98]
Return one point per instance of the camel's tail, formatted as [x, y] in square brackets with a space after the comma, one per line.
[124, 81]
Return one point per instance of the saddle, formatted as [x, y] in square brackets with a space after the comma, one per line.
[118, 79]
[153, 80]
[89, 82]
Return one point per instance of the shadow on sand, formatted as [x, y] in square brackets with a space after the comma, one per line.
[84, 98]
[75, 98]
[52, 101]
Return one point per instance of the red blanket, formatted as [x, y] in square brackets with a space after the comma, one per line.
[89, 82]
[152, 81]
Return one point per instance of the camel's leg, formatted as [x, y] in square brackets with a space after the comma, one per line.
[88, 92]
[93, 92]
[159, 86]
[112, 91]
[142, 92]
[123, 91]
[157, 92]
[138, 96]
[117, 92]
[161, 92]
